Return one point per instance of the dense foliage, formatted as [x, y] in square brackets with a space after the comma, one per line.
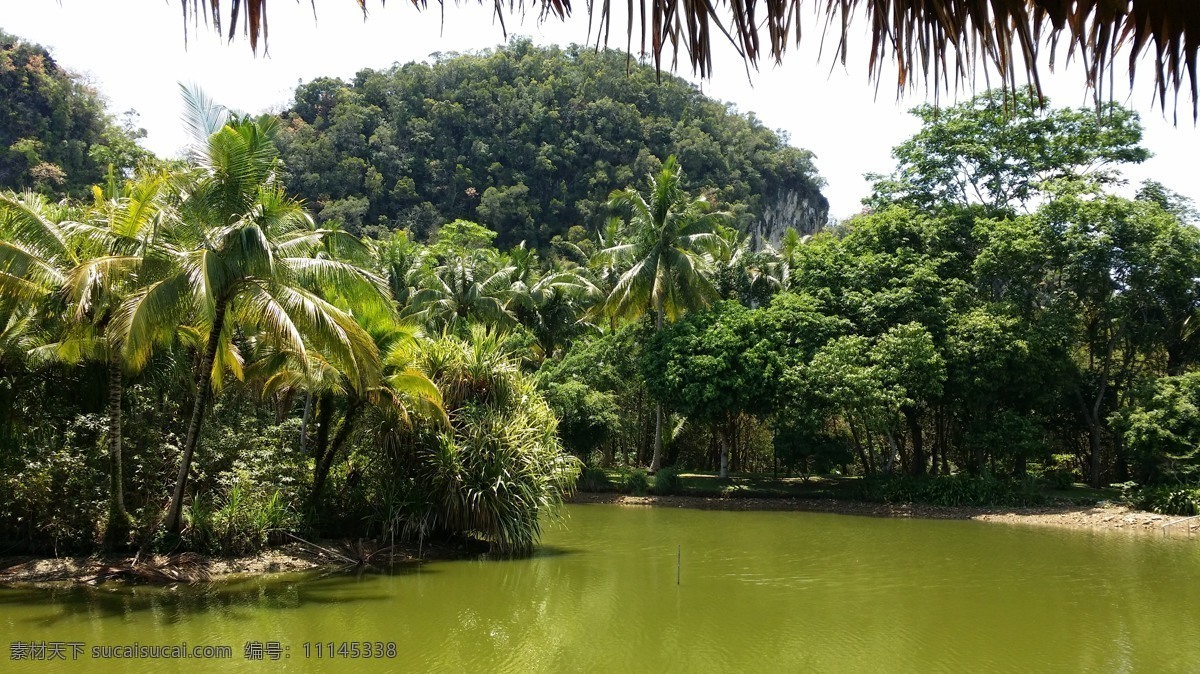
[189, 356]
[55, 134]
[224, 370]
[526, 140]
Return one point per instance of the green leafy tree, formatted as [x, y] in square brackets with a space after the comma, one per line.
[699, 366]
[1162, 431]
[55, 134]
[1003, 150]
[910, 364]
[1129, 282]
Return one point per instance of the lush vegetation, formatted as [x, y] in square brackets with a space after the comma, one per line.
[55, 135]
[306, 392]
[188, 356]
[998, 315]
[527, 141]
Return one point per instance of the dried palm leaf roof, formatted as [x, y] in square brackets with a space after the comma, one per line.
[939, 42]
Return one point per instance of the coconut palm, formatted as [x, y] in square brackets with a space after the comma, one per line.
[466, 289]
[403, 263]
[554, 307]
[246, 258]
[401, 392]
[673, 238]
[91, 263]
[116, 252]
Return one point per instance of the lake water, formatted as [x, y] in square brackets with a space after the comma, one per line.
[757, 592]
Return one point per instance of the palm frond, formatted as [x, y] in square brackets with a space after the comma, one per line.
[945, 43]
[202, 117]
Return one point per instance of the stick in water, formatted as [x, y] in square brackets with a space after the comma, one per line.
[678, 559]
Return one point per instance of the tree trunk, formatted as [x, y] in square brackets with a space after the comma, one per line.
[858, 448]
[324, 420]
[174, 519]
[1096, 440]
[656, 460]
[118, 518]
[724, 471]
[325, 462]
[870, 445]
[304, 423]
[1091, 415]
[891, 459]
[914, 430]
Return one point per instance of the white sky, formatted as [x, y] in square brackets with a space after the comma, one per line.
[833, 111]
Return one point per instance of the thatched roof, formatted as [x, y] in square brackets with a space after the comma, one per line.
[937, 42]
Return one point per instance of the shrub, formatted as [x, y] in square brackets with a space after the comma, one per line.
[240, 523]
[953, 491]
[593, 478]
[1059, 473]
[499, 466]
[1175, 500]
[56, 499]
[666, 482]
[637, 482]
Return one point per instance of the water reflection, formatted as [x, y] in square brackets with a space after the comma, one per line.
[229, 599]
[758, 592]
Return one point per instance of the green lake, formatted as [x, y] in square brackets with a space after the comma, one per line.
[757, 592]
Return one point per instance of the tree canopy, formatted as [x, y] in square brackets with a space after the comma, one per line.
[55, 134]
[528, 141]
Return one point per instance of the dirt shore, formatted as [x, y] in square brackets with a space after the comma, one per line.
[1106, 517]
[189, 568]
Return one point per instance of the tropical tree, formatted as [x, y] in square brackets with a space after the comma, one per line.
[117, 249]
[92, 263]
[402, 395]
[1005, 150]
[244, 254]
[909, 363]
[673, 237]
[466, 289]
[553, 307]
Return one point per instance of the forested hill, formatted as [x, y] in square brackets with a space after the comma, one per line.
[530, 141]
[55, 135]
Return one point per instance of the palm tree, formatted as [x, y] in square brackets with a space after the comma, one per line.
[401, 391]
[925, 37]
[115, 249]
[550, 305]
[554, 308]
[466, 289]
[671, 255]
[403, 263]
[744, 274]
[89, 263]
[245, 258]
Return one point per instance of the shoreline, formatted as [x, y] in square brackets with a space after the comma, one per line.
[1092, 518]
[191, 568]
